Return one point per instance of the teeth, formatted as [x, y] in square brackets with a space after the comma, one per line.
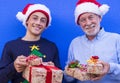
[37, 28]
[92, 26]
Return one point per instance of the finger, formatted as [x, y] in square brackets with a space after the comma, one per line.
[20, 68]
[96, 78]
[21, 56]
[50, 63]
[22, 61]
[106, 67]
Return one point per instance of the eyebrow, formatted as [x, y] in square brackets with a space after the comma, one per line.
[38, 16]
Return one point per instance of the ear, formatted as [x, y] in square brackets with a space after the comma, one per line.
[26, 23]
[100, 18]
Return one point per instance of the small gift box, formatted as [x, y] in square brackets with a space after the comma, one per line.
[71, 68]
[34, 60]
[70, 71]
[93, 67]
[78, 71]
[43, 74]
[81, 74]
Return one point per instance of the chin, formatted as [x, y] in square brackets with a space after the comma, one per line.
[91, 34]
[36, 34]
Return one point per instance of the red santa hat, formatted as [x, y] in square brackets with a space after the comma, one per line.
[92, 6]
[31, 8]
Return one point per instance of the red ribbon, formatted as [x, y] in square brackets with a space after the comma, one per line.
[49, 72]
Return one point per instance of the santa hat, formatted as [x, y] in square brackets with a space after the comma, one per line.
[92, 6]
[31, 8]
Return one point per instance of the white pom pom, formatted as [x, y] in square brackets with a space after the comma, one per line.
[104, 9]
[20, 16]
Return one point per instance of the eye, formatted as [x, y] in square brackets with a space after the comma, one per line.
[91, 17]
[82, 20]
[43, 20]
[35, 18]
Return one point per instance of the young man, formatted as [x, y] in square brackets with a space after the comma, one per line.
[36, 18]
[96, 41]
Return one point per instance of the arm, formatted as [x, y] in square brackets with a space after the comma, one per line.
[10, 67]
[56, 59]
[7, 70]
[114, 71]
[112, 68]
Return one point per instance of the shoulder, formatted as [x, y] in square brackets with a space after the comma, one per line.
[113, 35]
[47, 42]
[78, 39]
[13, 42]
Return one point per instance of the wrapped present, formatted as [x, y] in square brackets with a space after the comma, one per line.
[78, 71]
[93, 66]
[34, 60]
[43, 74]
[70, 71]
[81, 74]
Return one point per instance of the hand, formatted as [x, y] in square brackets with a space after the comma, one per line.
[51, 63]
[48, 63]
[20, 63]
[106, 67]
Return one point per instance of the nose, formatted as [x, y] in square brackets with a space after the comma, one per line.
[88, 22]
[38, 23]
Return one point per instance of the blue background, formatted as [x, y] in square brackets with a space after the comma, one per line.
[63, 28]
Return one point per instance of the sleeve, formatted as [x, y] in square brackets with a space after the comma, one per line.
[70, 54]
[56, 59]
[114, 71]
[70, 58]
[7, 70]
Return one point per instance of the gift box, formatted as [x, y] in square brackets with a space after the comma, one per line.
[81, 75]
[93, 67]
[84, 72]
[70, 71]
[43, 74]
[33, 60]
[78, 71]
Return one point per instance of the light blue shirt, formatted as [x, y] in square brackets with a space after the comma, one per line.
[106, 45]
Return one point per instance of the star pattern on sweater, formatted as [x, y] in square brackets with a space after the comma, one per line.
[34, 47]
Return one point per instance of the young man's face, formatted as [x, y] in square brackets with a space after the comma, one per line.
[90, 23]
[36, 23]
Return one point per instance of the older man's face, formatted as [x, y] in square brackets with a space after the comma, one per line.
[90, 23]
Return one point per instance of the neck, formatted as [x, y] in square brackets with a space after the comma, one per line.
[31, 38]
[90, 37]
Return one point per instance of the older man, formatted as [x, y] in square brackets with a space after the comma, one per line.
[96, 41]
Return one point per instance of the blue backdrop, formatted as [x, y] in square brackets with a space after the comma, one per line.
[63, 28]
